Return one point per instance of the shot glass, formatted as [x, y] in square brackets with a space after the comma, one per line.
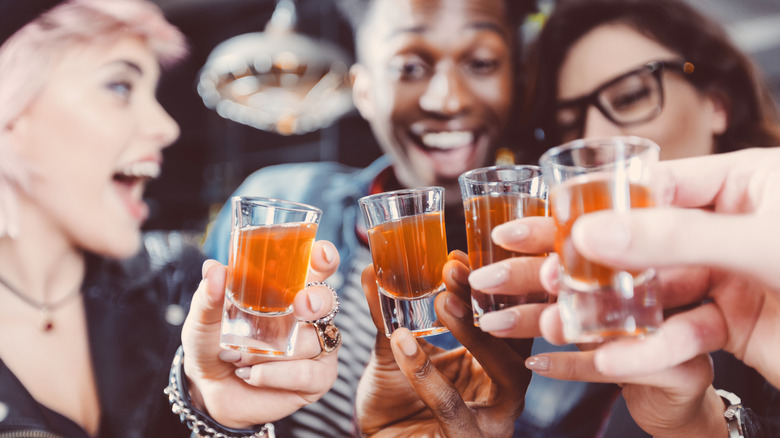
[492, 196]
[597, 302]
[270, 247]
[408, 246]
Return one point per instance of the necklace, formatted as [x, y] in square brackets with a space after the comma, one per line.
[46, 309]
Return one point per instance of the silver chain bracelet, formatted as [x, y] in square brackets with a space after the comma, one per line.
[199, 423]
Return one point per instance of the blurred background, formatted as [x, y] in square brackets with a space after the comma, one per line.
[216, 152]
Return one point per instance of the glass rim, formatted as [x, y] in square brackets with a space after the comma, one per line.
[469, 174]
[582, 143]
[281, 204]
[402, 193]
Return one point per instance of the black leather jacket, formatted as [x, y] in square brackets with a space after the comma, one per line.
[135, 309]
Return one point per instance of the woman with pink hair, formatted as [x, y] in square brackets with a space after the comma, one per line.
[92, 311]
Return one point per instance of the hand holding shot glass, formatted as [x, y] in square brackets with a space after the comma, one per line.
[270, 248]
[408, 246]
[597, 302]
[492, 196]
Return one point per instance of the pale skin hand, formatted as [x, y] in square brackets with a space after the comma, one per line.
[412, 388]
[270, 389]
[672, 401]
[723, 226]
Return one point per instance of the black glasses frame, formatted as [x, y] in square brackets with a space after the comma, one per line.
[655, 68]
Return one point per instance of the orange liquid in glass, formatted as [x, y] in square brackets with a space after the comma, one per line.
[483, 213]
[269, 266]
[409, 255]
[573, 199]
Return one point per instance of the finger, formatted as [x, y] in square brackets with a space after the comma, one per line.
[456, 278]
[580, 366]
[668, 237]
[548, 273]
[682, 337]
[435, 390]
[303, 376]
[307, 346]
[324, 261]
[368, 280]
[528, 235]
[207, 302]
[499, 358]
[513, 276]
[313, 303]
[551, 325]
[521, 321]
[704, 181]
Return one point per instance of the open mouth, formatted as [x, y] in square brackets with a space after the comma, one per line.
[447, 140]
[130, 181]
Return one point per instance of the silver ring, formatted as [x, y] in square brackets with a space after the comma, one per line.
[327, 332]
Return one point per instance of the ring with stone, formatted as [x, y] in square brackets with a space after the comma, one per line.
[327, 332]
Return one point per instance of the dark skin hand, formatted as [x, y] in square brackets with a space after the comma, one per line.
[412, 388]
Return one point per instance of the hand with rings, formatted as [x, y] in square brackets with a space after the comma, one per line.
[241, 390]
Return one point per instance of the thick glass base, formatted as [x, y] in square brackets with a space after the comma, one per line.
[417, 315]
[626, 309]
[257, 333]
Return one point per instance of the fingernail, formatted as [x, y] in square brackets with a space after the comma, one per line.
[510, 233]
[230, 355]
[605, 234]
[461, 276]
[455, 307]
[329, 253]
[408, 345]
[498, 321]
[489, 277]
[315, 302]
[538, 363]
[243, 373]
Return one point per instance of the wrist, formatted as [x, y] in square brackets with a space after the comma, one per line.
[196, 420]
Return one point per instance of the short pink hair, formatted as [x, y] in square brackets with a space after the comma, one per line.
[27, 57]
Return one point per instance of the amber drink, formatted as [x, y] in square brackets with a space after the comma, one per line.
[598, 302]
[492, 196]
[270, 248]
[408, 244]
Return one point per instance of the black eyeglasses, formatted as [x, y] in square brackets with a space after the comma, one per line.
[631, 98]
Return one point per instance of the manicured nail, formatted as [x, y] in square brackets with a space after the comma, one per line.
[498, 321]
[230, 355]
[408, 345]
[489, 277]
[243, 373]
[510, 233]
[315, 302]
[538, 363]
[455, 307]
[605, 234]
[329, 253]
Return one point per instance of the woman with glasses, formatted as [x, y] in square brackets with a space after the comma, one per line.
[657, 69]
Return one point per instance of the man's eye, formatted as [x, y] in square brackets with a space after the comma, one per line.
[412, 70]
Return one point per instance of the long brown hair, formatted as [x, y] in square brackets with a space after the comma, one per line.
[722, 70]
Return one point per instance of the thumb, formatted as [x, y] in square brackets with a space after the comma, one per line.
[661, 237]
[206, 308]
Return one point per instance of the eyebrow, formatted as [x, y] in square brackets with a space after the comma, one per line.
[127, 64]
[479, 25]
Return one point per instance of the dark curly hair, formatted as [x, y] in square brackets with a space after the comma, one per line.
[722, 70]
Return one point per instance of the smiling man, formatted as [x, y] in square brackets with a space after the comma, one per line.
[436, 81]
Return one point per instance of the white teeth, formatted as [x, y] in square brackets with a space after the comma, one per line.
[141, 169]
[448, 139]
